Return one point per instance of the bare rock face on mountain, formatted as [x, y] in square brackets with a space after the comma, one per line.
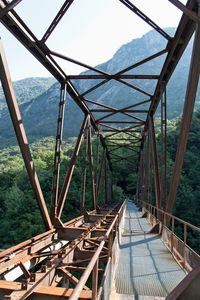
[39, 98]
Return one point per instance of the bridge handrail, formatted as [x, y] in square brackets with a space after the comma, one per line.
[178, 246]
[93, 264]
[171, 216]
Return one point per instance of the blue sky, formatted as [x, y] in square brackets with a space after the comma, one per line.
[91, 31]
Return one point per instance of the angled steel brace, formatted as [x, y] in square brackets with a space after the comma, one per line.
[190, 96]
[8, 7]
[21, 136]
[57, 153]
[52, 53]
[194, 16]
[121, 110]
[57, 19]
[128, 69]
[70, 170]
[140, 14]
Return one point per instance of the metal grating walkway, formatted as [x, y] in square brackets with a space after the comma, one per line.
[146, 267]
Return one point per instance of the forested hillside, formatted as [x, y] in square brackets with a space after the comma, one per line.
[19, 213]
[27, 89]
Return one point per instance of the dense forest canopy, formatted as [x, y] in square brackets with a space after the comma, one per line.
[19, 213]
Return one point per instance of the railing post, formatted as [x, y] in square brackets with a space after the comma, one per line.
[172, 238]
[185, 242]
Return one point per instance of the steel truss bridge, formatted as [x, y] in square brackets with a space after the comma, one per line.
[95, 255]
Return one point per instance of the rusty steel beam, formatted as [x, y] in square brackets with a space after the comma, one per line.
[52, 53]
[140, 14]
[84, 174]
[93, 262]
[122, 110]
[42, 53]
[115, 133]
[112, 76]
[70, 170]
[155, 163]
[98, 150]
[91, 161]
[175, 50]
[122, 146]
[57, 153]
[45, 276]
[146, 167]
[194, 16]
[44, 292]
[8, 7]
[57, 19]
[129, 68]
[134, 87]
[190, 96]
[21, 136]
[126, 129]
[163, 174]
[120, 122]
[99, 177]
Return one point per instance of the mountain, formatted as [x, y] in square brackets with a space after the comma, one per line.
[27, 89]
[40, 114]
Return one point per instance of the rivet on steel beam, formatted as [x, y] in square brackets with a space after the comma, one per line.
[49, 264]
[43, 268]
[32, 277]
[24, 284]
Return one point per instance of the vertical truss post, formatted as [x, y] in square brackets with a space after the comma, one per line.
[142, 171]
[21, 136]
[99, 177]
[140, 175]
[155, 162]
[190, 96]
[91, 161]
[163, 174]
[97, 160]
[109, 185]
[106, 180]
[150, 191]
[84, 174]
[146, 168]
[56, 169]
[138, 179]
[70, 170]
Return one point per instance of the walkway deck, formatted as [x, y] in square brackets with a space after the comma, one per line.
[146, 267]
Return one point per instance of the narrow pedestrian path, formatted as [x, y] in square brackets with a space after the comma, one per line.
[146, 267]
